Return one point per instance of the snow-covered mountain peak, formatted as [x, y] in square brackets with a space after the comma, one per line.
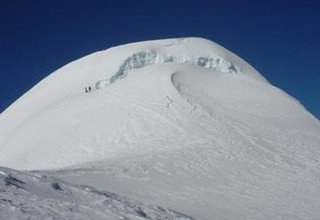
[183, 122]
[100, 68]
[53, 115]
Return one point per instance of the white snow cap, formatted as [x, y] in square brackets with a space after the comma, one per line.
[139, 98]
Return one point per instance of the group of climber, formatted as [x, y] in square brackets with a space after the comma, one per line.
[87, 89]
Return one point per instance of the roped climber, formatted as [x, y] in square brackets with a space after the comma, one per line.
[87, 89]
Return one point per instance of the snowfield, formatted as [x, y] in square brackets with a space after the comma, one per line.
[180, 123]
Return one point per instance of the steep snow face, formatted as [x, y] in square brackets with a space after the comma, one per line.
[182, 122]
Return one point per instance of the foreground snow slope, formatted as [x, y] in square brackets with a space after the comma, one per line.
[26, 195]
[181, 122]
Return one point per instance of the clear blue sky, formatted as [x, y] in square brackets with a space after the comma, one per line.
[281, 39]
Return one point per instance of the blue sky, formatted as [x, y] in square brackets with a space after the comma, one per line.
[281, 39]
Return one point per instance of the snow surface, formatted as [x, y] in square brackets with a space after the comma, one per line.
[35, 196]
[182, 123]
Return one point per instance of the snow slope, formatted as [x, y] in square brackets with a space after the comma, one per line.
[36, 196]
[182, 123]
[49, 119]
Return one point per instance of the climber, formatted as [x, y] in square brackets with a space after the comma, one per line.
[89, 88]
[85, 88]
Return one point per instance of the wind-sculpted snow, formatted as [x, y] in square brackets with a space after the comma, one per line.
[145, 58]
[27, 195]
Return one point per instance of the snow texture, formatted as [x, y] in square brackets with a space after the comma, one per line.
[27, 195]
[181, 123]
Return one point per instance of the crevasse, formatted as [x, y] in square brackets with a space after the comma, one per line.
[145, 58]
